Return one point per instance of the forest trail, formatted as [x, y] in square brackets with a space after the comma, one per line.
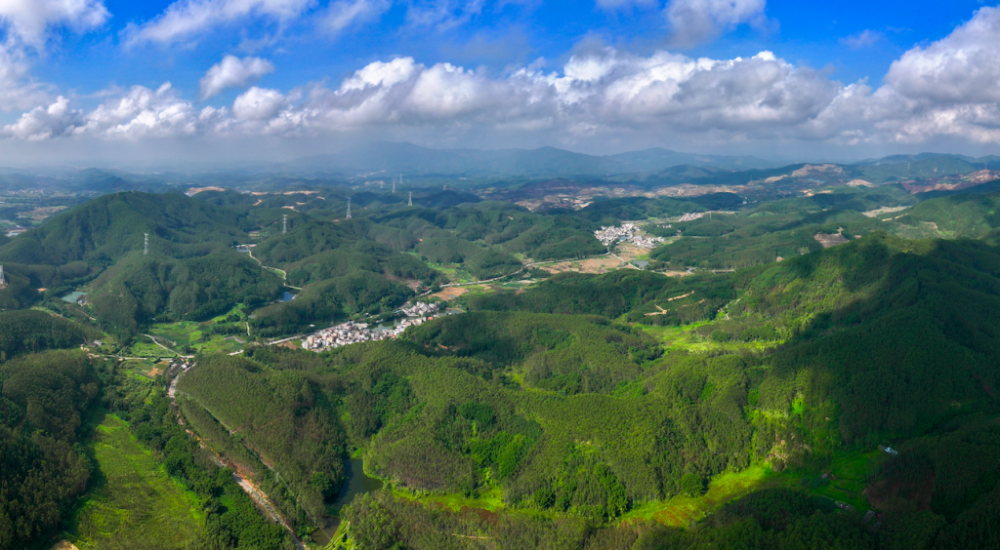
[284, 276]
[258, 496]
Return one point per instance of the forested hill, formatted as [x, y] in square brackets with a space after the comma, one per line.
[578, 418]
[891, 332]
[106, 228]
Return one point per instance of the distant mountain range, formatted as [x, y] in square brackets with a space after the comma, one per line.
[387, 159]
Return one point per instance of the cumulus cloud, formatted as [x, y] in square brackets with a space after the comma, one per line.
[948, 88]
[344, 13]
[963, 67]
[695, 21]
[258, 104]
[233, 72]
[42, 123]
[140, 112]
[185, 18]
[29, 20]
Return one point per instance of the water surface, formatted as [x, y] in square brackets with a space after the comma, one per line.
[355, 483]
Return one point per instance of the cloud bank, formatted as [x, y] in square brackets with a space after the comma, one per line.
[949, 88]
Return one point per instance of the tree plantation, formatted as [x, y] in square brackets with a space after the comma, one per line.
[808, 372]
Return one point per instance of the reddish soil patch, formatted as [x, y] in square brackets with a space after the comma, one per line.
[450, 293]
[897, 494]
[484, 515]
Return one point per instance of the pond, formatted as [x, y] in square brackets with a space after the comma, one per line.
[73, 297]
[287, 296]
[355, 483]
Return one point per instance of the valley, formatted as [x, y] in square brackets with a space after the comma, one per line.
[720, 366]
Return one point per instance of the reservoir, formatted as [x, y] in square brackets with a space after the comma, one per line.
[287, 296]
[355, 483]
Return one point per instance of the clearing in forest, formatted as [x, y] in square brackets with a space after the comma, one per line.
[450, 293]
[135, 504]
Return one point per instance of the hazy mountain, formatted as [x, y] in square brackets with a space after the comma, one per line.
[407, 158]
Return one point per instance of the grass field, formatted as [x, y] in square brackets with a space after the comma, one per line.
[681, 511]
[135, 505]
[190, 333]
[492, 501]
[683, 337]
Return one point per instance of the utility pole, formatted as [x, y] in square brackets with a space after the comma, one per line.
[411, 199]
[145, 244]
[348, 207]
[284, 224]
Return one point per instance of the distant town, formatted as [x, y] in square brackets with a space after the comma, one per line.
[353, 333]
[627, 232]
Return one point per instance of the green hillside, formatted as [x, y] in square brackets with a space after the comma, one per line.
[109, 227]
[140, 288]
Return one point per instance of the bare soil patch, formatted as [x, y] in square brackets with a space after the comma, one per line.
[64, 545]
[450, 293]
[833, 239]
[593, 265]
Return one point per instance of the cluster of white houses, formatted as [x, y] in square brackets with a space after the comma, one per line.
[352, 333]
[628, 232]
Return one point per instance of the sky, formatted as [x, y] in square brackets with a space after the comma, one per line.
[247, 81]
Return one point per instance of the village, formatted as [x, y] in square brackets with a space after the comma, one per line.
[353, 333]
[628, 232]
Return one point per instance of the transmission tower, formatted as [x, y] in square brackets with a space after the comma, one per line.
[394, 185]
[145, 244]
[411, 199]
[284, 224]
[3, 280]
[348, 208]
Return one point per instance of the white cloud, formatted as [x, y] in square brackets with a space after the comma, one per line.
[258, 104]
[344, 13]
[624, 4]
[696, 21]
[963, 67]
[29, 20]
[140, 112]
[17, 92]
[233, 72]
[42, 123]
[185, 18]
[443, 15]
[864, 39]
[948, 89]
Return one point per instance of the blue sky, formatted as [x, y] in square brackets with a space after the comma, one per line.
[278, 78]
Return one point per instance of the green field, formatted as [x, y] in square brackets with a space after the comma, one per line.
[190, 333]
[134, 504]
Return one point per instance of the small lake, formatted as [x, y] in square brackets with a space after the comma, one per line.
[287, 296]
[355, 483]
[73, 297]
